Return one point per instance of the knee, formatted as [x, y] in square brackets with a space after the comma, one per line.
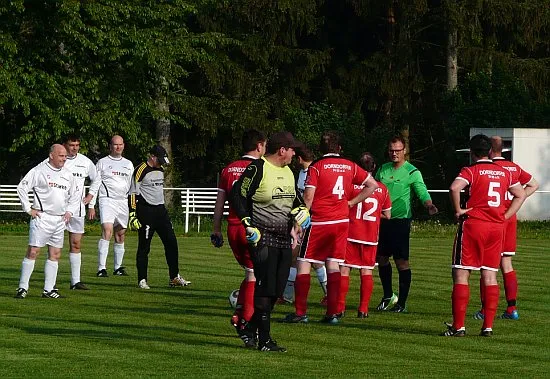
[382, 260]
[402, 264]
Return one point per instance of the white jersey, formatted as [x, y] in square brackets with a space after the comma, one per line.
[55, 190]
[114, 176]
[82, 167]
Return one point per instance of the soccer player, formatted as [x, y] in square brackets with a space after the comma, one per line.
[305, 158]
[328, 194]
[362, 239]
[478, 241]
[111, 186]
[400, 177]
[263, 198]
[253, 146]
[149, 215]
[509, 277]
[56, 198]
[81, 167]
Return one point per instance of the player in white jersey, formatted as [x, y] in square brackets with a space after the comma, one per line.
[81, 167]
[111, 187]
[56, 199]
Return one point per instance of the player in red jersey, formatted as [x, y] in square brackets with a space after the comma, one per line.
[364, 225]
[328, 195]
[509, 277]
[253, 144]
[478, 241]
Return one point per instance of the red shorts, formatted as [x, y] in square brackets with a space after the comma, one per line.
[324, 242]
[478, 245]
[359, 255]
[510, 234]
[236, 235]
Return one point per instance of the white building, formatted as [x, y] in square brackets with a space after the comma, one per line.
[530, 148]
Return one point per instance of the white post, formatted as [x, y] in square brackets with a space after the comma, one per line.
[186, 210]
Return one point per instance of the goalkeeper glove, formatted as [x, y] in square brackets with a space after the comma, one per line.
[216, 239]
[133, 221]
[253, 235]
[301, 216]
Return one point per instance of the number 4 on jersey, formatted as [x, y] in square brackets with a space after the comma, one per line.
[338, 188]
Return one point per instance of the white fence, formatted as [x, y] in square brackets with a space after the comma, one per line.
[194, 201]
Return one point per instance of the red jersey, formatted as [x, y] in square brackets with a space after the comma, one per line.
[518, 175]
[230, 174]
[333, 178]
[488, 185]
[364, 218]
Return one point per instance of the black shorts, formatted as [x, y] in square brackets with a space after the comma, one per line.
[394, 238]
[271, 267]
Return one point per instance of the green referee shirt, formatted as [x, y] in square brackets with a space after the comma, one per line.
[399, 182]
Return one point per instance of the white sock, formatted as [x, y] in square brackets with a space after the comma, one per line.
[50, 274]
[322, 277]
[119, 254]
[75, 261]
[27, 267]
[289, 289]
[102, 252]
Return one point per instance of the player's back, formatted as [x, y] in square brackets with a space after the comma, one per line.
[488, 185]
[230, 174]
[365, 216]
[333, 177]
[518, 175]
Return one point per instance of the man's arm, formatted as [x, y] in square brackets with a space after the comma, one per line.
[519, 197]
[218, 211]
[370, 185]
[531, 187]
[23, 189]
[420, 189]
[454, 192]
[96, 183]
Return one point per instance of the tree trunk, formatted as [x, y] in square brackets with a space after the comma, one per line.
[452, 60]
[162, 129]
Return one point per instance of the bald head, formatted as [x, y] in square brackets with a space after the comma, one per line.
[116, 146]
[58, 155]
[496, 146]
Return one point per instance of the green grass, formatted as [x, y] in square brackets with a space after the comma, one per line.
[117, 330]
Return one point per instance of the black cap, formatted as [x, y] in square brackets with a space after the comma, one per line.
[282, 139]
[161, 154]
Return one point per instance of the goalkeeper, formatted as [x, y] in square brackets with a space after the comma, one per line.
[266, 200]
[149, 215]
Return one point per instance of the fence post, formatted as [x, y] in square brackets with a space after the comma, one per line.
[186, 210]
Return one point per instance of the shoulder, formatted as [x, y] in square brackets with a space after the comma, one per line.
[411, 169]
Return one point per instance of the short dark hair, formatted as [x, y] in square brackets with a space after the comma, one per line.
[303, 152]
[480, 145]
[397, 138]
[367, 161]
[251, 138]
[71, 137]
[330, 143]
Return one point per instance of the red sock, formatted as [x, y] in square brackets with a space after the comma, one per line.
[248, 306]
[460, 297]
[482, 294]
[241, 299]
[491, 303]
[301, 290]
[344, 287]
[333, 291]
[511, 290]
[367, 284]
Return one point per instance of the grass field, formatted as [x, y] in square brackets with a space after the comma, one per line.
[118, 330]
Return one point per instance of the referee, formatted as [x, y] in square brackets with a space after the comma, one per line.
[149, 215]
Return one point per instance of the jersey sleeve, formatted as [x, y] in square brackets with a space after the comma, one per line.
[245, 188]
[23, 188]
[386, 204]
[135, 182]
[524, 177]
[96, 183]
[73, 205]
[360, 175]
[417, 183]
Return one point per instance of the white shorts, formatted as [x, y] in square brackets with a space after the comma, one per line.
[113, 212]
[76, 225]
[47, 230]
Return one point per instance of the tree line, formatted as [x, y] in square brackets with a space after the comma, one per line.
[193, 75]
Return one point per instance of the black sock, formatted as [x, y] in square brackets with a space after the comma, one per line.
[385, 274]
[263, 319]
[404, 286]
